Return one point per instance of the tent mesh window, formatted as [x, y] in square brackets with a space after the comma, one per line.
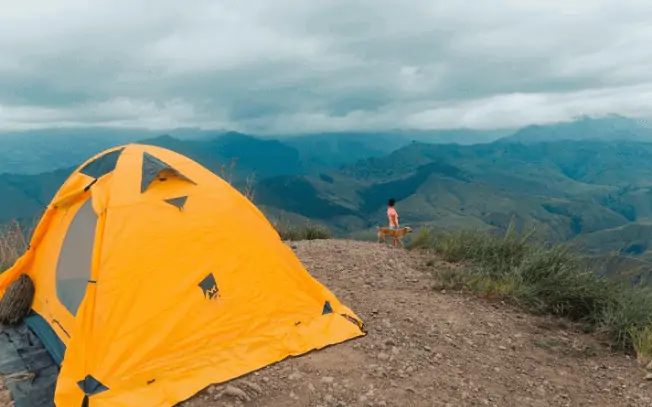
[75, 258]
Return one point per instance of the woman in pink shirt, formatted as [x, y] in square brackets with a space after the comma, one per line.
[392, 215]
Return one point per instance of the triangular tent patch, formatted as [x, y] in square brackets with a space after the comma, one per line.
[151, 169]
[327, 308]
[142, 306]
[91, 386]
[178, 202]
[102, 165]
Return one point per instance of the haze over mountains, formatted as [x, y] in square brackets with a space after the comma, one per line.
[588, 181]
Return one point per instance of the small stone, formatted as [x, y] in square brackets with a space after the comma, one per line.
[427, 348]
[502, 347]
[236, 392]
[295, 376]
[327, 379]
[383, 356]
[253, 386]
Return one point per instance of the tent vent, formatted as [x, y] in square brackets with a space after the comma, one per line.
[209, 287]
[91, 386]
[178, 202]
[102, 165]
[327, 308]
[151, 169]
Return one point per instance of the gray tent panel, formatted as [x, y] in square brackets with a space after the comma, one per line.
[102, 165]
[75, 258]
[152, 167]
[178, 202]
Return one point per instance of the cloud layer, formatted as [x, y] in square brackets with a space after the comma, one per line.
[288, 66]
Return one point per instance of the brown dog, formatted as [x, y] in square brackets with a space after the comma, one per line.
[396, 234]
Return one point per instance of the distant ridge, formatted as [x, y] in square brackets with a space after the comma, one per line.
[607, 128]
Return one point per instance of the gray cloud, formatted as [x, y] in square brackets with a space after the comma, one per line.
[288, 66]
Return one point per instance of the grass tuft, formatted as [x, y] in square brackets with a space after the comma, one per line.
[307, 231]
[544, 280]
[642, 342]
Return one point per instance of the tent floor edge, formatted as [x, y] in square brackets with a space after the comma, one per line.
[51, 342]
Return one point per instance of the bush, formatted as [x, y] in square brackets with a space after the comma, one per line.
[307, 231]
[544, 280]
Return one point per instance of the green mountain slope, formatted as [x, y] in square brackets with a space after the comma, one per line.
[565, 189]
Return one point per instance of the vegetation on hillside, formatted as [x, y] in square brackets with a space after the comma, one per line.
[307, 231]
[544, 280]
[14, 241]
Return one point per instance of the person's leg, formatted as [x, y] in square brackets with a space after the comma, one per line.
[393, 239]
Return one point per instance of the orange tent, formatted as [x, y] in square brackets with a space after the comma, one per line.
[155, 278]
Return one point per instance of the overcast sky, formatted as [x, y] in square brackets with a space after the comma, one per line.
[285, 66]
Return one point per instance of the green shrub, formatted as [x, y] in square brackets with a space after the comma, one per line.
[308, 231]
[544, 280]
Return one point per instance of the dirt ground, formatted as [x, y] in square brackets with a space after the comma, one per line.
[428, 348]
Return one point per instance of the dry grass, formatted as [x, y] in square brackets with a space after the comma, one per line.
[227, 174]
[642, 342]
[14, 240]
[545, 280]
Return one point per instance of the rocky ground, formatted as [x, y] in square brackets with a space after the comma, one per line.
[428, 348]
[5, 396]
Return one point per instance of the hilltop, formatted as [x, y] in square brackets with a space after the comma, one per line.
[430, 343]
[426, 347]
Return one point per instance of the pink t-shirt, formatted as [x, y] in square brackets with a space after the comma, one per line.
[392, 215]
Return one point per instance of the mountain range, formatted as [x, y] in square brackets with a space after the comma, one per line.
[588, 181]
